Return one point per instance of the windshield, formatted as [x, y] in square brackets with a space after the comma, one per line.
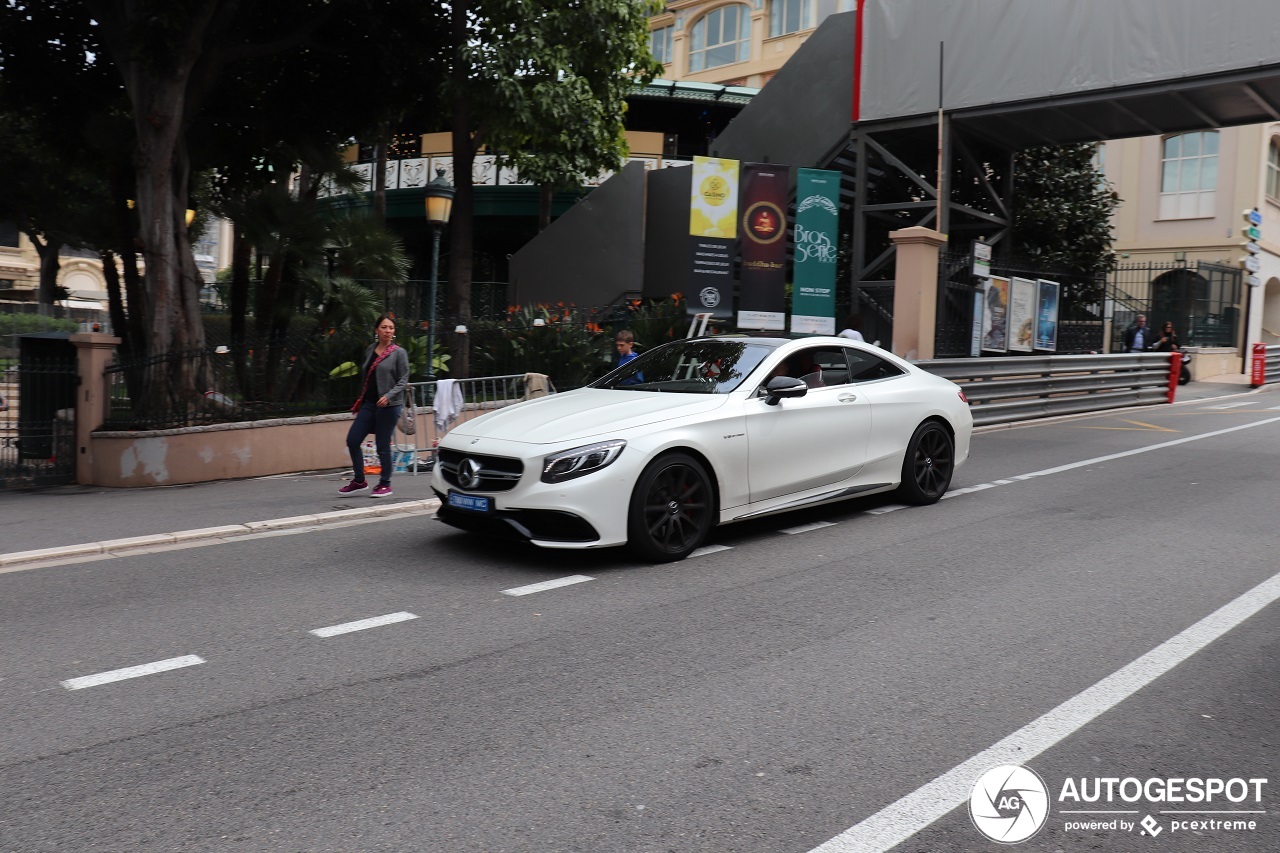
[699, 366]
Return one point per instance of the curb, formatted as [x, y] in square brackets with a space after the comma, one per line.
[133, 543]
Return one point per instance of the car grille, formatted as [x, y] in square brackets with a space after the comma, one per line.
[497, 473]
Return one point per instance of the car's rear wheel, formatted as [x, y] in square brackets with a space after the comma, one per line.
[929, 464]
[671, 509]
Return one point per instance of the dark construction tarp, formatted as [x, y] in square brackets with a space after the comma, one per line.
[1007, 51]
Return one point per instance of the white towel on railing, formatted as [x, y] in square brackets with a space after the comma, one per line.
[448, 404]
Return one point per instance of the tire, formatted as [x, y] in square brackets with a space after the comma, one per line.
[928, 465]
[671, 509]
[1185, 376]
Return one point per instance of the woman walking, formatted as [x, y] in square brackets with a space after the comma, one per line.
[386, 375]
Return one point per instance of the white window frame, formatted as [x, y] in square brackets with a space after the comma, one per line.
[700, 44]
[660, 44]
[778, 10]
[1189, 175]
[1273, 169]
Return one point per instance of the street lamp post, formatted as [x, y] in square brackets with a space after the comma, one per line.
[439, 206]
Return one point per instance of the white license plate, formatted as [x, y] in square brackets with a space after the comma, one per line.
[470, 503]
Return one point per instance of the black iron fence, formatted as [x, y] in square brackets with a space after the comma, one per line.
[38, 375]
[1201, 299]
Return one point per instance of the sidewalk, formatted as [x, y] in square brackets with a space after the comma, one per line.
[67, 517]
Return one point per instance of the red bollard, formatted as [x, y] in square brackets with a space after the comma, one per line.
[1175, 370]
[1258, 373]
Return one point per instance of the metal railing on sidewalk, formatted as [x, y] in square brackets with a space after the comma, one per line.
[474, 397]
[1003, 390]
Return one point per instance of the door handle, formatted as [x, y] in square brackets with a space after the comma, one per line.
[847, 398]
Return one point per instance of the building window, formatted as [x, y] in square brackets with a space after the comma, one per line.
[789, 16]
[660, 44]
[8, 234]
[1273, 169]
[720, 37]
[1189, 175]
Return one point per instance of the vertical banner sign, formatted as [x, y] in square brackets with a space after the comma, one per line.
[1047, 316]
[813, 291]
[982, 270]
[995, 316]
[1022, 314]
[762, 297]
[713, 230]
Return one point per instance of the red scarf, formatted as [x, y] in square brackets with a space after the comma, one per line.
[365, 387]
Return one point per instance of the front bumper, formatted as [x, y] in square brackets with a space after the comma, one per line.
[587, 512]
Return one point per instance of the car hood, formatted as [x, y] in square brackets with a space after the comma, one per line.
[584, 414]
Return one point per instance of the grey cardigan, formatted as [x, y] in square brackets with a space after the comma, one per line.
[391, 375]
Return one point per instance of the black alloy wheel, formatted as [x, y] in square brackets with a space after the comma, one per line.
[928, 466]
[671, 509]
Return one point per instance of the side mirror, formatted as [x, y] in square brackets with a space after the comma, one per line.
[781, 387]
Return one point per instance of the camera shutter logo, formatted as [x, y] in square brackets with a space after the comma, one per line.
[1009, 803]
[468, 473]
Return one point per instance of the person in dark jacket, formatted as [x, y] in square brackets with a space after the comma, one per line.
[1138, 338]
[386, 375]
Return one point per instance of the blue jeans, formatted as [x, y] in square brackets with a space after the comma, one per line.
[381, 421]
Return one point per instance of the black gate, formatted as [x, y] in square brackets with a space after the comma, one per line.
[37, 416]
[1201, 300]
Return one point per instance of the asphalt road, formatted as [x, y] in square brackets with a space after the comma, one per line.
[840, 677]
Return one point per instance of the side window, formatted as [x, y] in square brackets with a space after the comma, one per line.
[819, 367]
[863, 366]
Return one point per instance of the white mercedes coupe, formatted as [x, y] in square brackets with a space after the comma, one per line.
[702, 432]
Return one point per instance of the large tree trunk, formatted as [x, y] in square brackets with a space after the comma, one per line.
[460, 236]
[160, 95]
[47, 248]
[380, 177]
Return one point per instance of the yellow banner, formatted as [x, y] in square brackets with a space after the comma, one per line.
[713, 205]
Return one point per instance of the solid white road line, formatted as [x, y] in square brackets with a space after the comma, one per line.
[545, 585]
[709, 549]
[362, 624]
[805, 528]
[1229, 405]
[901, 820]
[131, 672]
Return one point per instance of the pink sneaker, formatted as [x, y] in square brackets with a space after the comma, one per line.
[382, 490]
[353, 487]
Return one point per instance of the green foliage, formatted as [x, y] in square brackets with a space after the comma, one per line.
[21, 324]
[1062, 216]
[656, 321]
[570, 351]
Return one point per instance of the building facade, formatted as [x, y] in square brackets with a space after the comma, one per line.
[1185, 201]
[734, 43]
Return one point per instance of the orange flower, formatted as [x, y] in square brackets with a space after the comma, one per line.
[594, 328]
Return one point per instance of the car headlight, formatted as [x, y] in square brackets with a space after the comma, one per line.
[580, 461]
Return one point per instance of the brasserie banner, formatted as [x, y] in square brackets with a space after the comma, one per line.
[713, 231]
[762, 294]
[813, 303]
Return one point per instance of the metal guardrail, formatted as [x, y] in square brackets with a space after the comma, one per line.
[1003, 390]
[1265, 368]
[479, 395]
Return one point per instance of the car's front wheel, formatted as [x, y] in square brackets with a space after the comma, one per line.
[929, 464]
[671, 509]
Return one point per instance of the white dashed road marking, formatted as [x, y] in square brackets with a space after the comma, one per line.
[709, 549]
[131, 672]
[899, 821]
[362, 624]
[881, 510]
[545, 585]
[805, 528]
